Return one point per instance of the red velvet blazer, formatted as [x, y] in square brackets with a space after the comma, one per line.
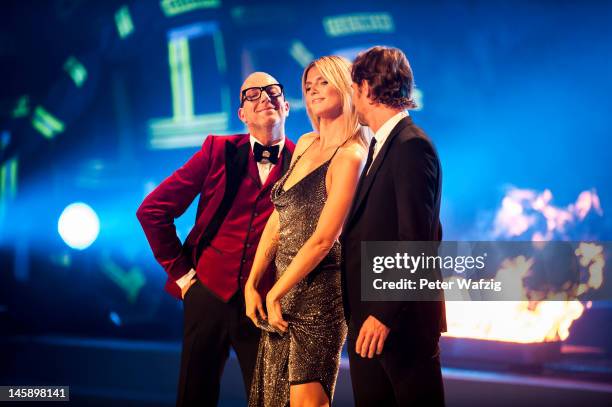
[215, 173]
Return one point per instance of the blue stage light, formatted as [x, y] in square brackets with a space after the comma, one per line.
[115, 318]
[78, 225]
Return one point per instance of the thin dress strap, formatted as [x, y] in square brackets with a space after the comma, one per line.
[338, 148]
[295, 162]
[306, 149]
[300, 156]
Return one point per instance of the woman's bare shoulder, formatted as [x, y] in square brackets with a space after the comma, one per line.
[349, 159]
[304, 141]
[304, 138]
[353, 151]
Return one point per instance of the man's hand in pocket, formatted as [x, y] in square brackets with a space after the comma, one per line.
[187, 287]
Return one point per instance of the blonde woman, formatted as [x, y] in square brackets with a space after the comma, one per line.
[304, 328]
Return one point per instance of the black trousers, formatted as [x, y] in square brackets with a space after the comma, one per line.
[407, 372]
[210, 328]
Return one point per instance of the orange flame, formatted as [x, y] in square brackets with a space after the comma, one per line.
[530, 321]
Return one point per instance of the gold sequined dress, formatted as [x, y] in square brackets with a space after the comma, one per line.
[310, 349]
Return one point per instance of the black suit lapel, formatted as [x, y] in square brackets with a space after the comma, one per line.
[236, 160]
[365, 183]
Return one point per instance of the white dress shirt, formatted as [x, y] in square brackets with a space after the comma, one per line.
[264, 170]
[383, 133]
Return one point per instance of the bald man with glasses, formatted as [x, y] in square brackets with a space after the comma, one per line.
[233, 176]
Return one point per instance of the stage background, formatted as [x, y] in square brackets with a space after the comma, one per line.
[101, 100]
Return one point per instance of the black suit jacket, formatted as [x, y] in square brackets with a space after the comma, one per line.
[398, 200]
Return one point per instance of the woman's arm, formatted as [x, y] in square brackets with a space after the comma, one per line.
[266, 250]
[345, 171]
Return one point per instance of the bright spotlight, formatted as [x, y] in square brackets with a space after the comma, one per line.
[78, 225]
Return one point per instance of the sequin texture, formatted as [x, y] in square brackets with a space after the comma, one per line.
[310, 350]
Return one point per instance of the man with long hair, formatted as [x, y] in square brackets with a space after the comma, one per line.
[392, 345]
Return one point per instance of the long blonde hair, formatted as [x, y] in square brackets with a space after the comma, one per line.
[337, 71]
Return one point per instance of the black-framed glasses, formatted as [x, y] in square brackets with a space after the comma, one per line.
[252, 94]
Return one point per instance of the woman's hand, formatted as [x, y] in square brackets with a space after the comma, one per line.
[275, 316]
[253, 303]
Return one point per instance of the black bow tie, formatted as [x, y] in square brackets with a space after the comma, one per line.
[269, 153]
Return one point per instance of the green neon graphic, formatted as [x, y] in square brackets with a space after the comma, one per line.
[131, 282]
[2, 195]
[3, 182]
[13, 166]
[219, 51]
[169, 133]
[76, 70]
[22, 107]
[300, 53]
[8, 180]
[185, 128]
[123, 21]
[8, 175]
[47, 124]
[180, 79]
[226, 101]
[358, 23]
[175, 7]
